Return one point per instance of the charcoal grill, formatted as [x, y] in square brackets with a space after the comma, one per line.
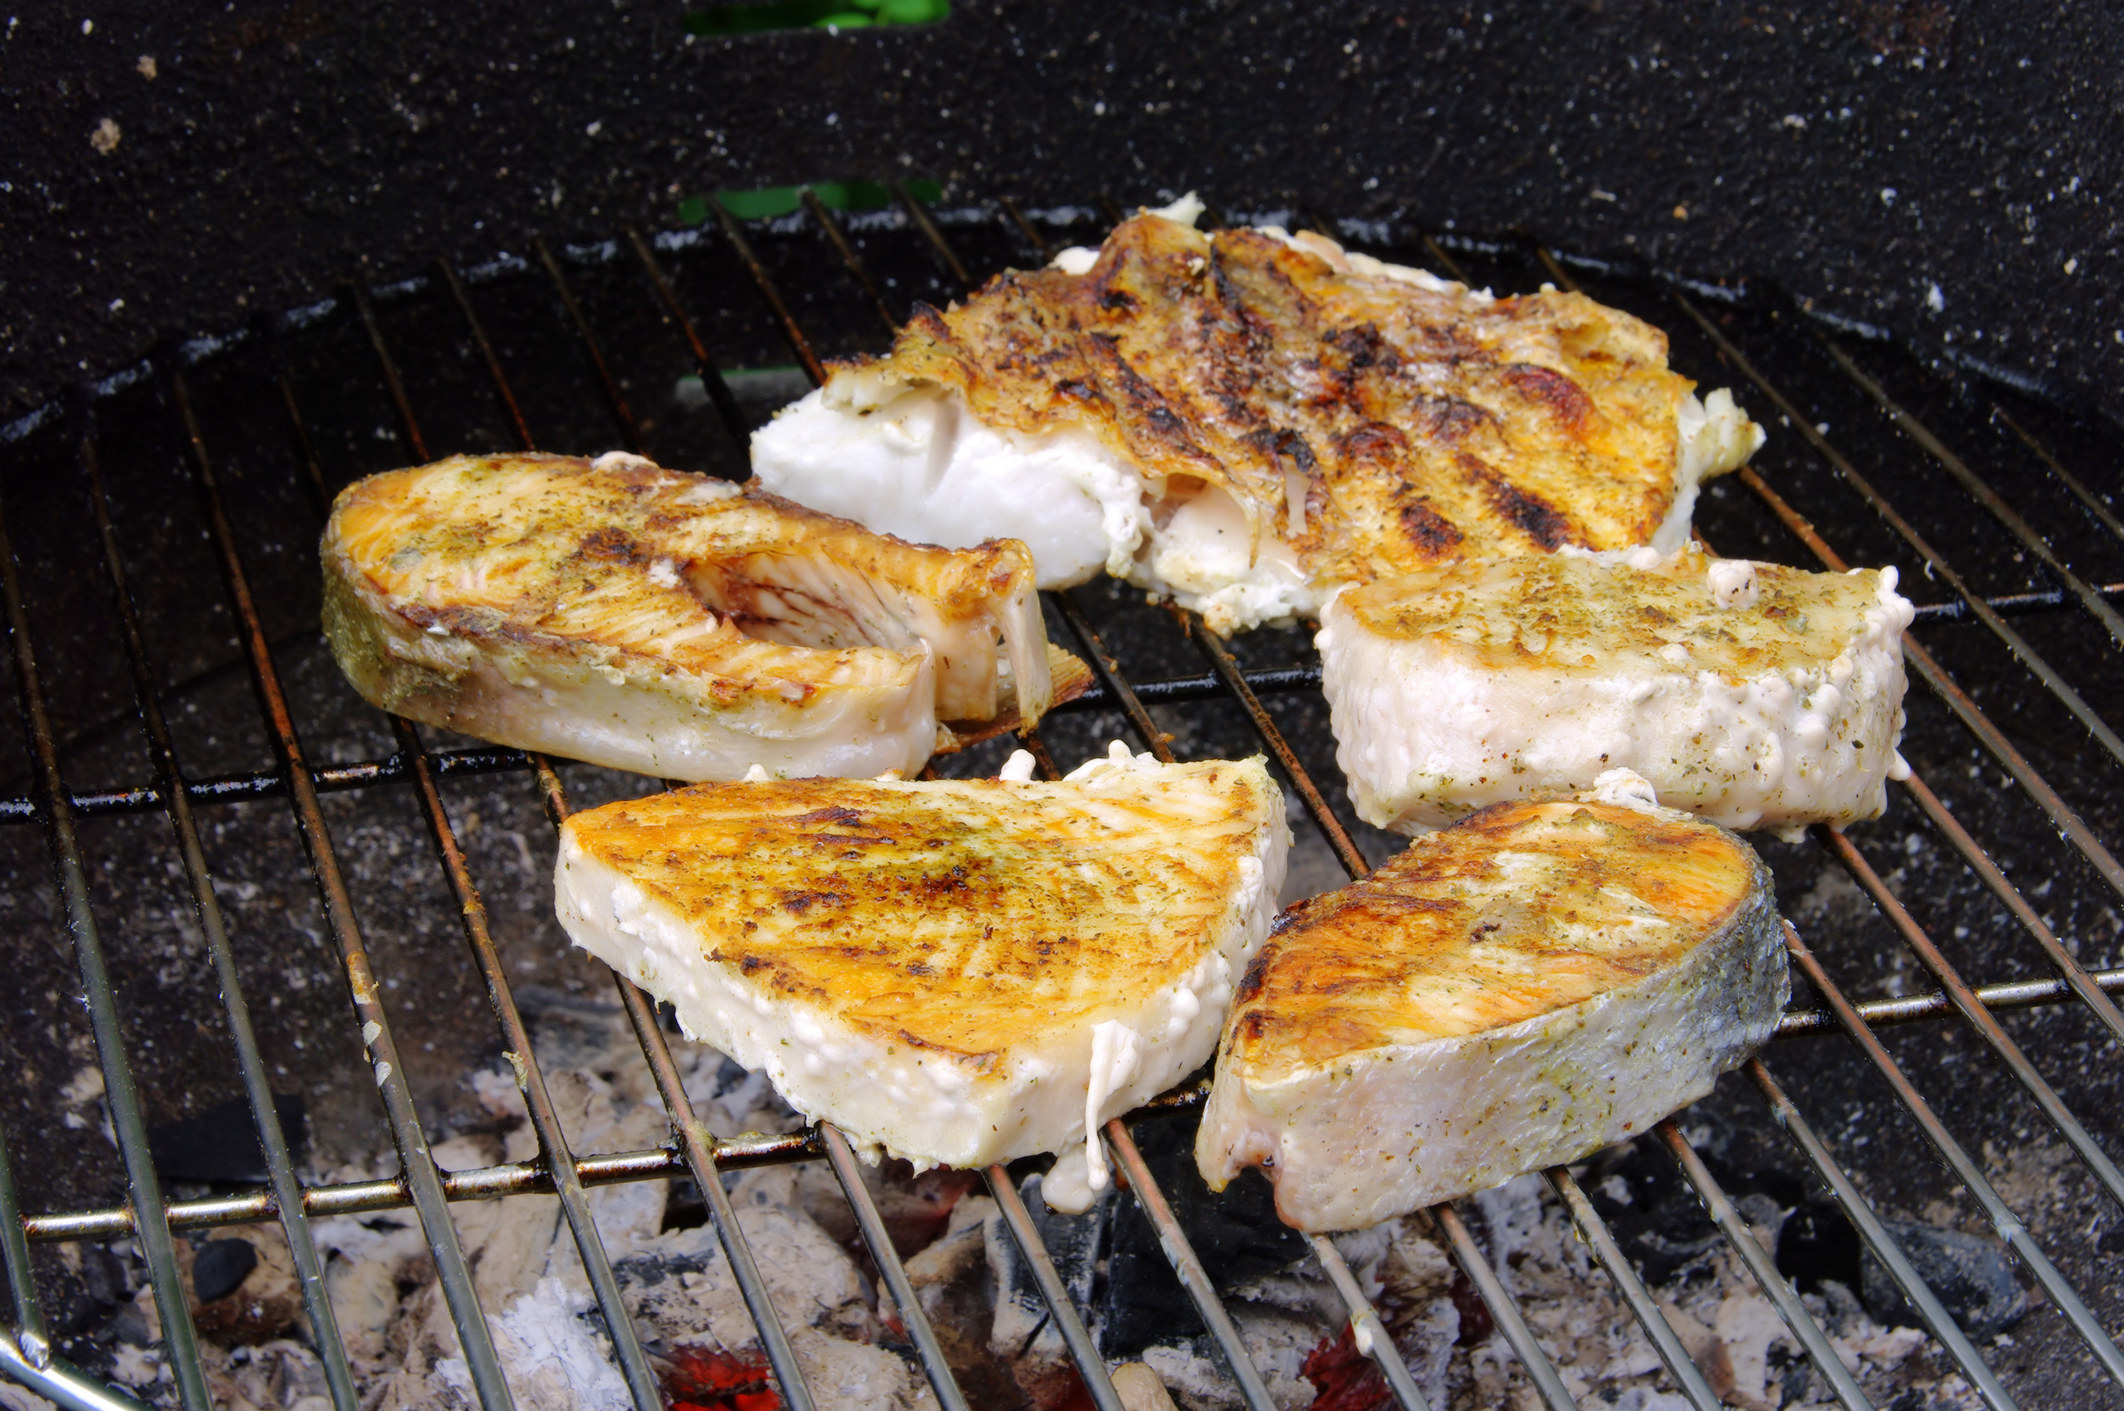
[2023, 619]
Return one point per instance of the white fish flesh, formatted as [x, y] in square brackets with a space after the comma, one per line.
[1755, 695]
[1243, 420]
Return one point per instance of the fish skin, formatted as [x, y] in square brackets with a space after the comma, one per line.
[1423, 422]
[669, 623]
[927, 964]
[1516, 991]
[1459, 686]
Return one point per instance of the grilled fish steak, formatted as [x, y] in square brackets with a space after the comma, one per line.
[1752, 694]
[1243, 420]
[1512, 992]
[958, 972]
[671, 624]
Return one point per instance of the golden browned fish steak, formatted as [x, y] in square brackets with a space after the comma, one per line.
[669, 623]
[1366, 419]
[961, 971]
[1511, 992]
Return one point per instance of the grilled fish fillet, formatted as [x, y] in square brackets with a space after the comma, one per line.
[1752, 694]
[672, 624]
[958, 972]
[1243, 420]
[1510, 993]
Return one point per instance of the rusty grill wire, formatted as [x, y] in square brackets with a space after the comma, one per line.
[148, 1217]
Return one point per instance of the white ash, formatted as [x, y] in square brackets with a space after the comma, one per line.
[962, 1263]
[551, 1338]
[1730, 1327]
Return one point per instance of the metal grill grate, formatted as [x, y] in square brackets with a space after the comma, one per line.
[836, 297]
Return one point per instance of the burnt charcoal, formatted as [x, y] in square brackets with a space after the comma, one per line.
[1653, 1214]
[220, 1146]
[84, 1300]
[1971, 1276]
[1817, 1243]
[1076, 1243]
[219, 1268]
[1237, 1235]
[1656, 1216]
[685, 1208]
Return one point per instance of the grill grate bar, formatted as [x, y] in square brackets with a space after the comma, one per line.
[927, 224]
[554, 1154]
[1111, 682]
[1987, 1027]
[1460, 1242]
[477, 1183]
[1868, 1223]
[2002, 1218]
[393, 383]
[416, 1162]
[232, 788]
[495, 759]
[1075, 1336]
[2096, 505]
[719, 393]
[699, 1145]
[1741, 1236]
[280, 1167]
[29, 1332]
[2029, 658]
[630, 429]
[1911, 1009]
[1188, 1266]
[503, 393]
[1038, 243]
[798, 344]
[850, 260]
[696, 1143]
[60, 1382]
[1265, 728]
[2008, 518]
[1594, 1231]
[904, 1298]
[1366, 1331]
[122, 1095]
